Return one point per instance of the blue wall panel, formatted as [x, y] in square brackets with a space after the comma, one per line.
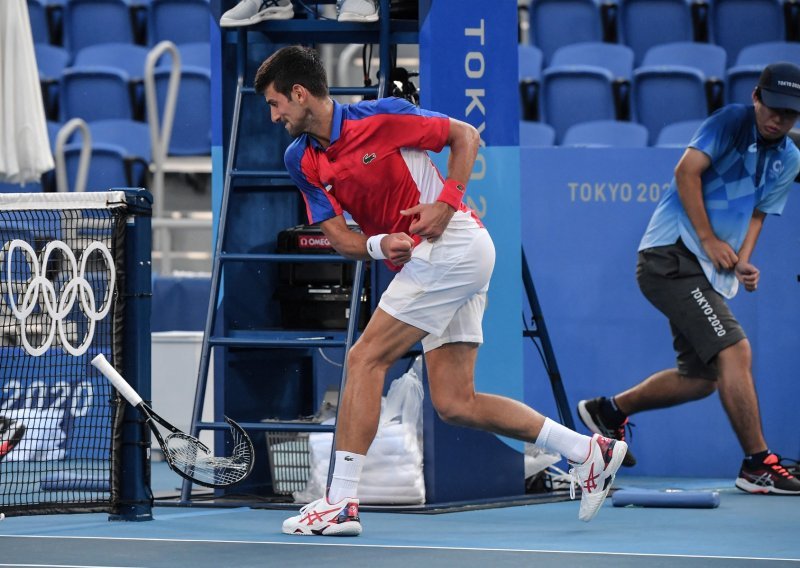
[468, 58]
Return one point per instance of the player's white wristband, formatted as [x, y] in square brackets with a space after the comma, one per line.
[374, 246]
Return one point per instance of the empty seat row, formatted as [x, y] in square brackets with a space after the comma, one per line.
[641, 24]
[76, 24]
[106, 82]
[608, 133]
[675, 82]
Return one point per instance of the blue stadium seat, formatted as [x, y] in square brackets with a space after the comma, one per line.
[179, 21]
[577, 93]
[196, 54]
[615, 57]
[742, 78]
[606, 133]
[555, 23]
[677, 134]
[645, 23]
[536, 134]
[191, 129]
[95, 93]
[665, 94]
[107, 167]
[130, 135]
[40, 27]
[530, 78]
[769, 52]
[710, 59]
[127, 57]
[735, 24]
[51, 61]
[89, 22]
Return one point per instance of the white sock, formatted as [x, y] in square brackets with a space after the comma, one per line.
[346, 475]
[568, 443]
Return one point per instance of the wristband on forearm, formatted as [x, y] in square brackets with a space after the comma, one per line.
[374, 247]
[452, 193]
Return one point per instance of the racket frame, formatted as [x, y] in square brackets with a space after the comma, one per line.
[152, 418]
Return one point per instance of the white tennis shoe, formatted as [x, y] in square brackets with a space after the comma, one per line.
[596, 474]
[358, 11]
[320, 518]
[249, 12]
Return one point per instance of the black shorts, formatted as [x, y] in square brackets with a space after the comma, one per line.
[702, 324]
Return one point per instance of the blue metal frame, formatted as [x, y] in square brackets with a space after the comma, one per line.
[136, 498]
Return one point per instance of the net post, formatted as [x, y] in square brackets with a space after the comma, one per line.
[136, 498]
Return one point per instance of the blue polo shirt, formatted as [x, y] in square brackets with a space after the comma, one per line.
[745, 174]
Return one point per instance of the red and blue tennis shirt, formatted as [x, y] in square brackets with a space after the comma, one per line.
[376, 164]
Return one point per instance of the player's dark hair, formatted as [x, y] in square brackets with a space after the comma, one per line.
[289, 66]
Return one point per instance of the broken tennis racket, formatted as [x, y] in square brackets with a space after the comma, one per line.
[186, 455]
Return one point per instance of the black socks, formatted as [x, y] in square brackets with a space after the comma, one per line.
[609, 412]
[757, 459]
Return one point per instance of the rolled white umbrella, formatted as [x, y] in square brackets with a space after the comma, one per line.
[24, 147]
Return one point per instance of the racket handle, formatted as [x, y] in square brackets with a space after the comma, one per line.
[126, 390]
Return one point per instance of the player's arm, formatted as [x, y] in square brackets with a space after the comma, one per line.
[746, 272]
[395, 247]
[688, 178]
[432, 218]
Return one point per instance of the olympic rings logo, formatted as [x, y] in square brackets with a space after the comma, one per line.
[40, 288]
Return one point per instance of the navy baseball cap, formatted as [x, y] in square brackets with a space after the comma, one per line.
[780, 86]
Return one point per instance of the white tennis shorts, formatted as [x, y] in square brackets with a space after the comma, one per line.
[442, 289]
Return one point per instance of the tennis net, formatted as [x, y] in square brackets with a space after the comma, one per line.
[62, 277]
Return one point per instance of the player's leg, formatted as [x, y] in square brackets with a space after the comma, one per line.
[761, 470]
[738, 396]
[672, 280]
[663, 389]
[450, 376]
[451, 367]
[384, 341]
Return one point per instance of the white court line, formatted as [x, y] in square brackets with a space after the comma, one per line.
[410, 547]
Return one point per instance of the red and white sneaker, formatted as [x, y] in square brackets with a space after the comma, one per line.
[323, 519]
[596, 474]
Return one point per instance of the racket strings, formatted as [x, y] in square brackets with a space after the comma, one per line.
[194, 459]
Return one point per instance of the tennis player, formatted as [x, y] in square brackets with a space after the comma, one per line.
[697, 249]
[370, 160]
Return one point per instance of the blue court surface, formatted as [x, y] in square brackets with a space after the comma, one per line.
[744, 531]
